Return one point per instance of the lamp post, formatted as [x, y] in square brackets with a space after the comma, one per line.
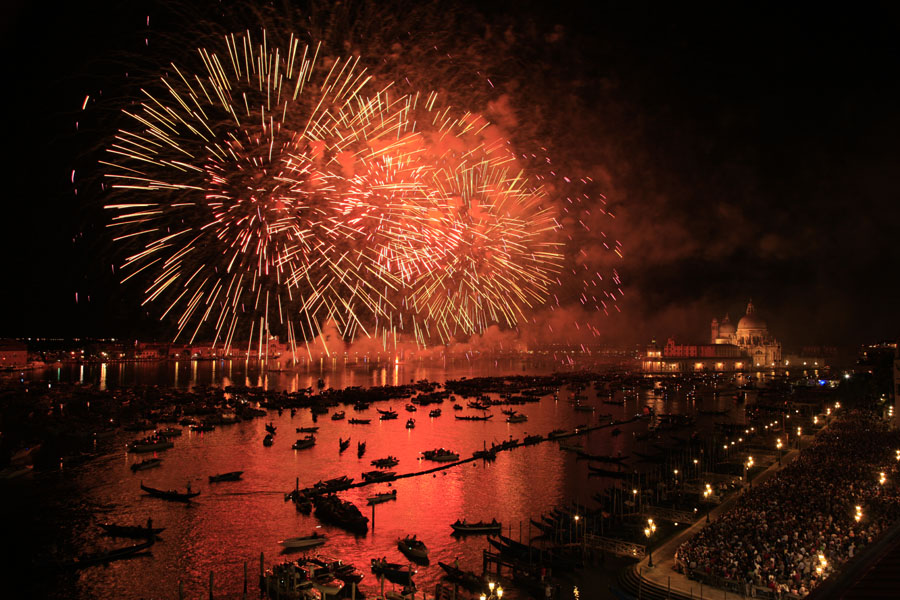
[799, 433]
[649, 531]
[706, 494]
[747, 466]
[778, 445]
[496, 592]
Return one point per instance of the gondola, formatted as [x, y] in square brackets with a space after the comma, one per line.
[131, 531]
[480, 527]
[354, 421]
[232, 476]
[170, 495]
[87, 560]
[343, 444]
[146, 464]
[467, 579]
[360, 449]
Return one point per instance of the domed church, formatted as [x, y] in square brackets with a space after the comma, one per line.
[751, 335]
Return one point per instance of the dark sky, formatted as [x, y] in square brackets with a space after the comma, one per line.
[747, 151]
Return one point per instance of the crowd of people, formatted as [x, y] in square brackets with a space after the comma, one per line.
[790, 532]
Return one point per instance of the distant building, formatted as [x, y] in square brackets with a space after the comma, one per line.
[751, 335]
[13, 354]
[747, 346]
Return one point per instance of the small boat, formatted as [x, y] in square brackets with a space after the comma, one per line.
[457, 407]
[479, 527]
[338, 416]
[532, 439]
[379, 475]
[517, 418]
[385, 463]
[107, 556]
[355, 421]
[467, 579]
[203, 427]
[556, 433]
[345, 572]
[168, 432]
[441, 455]
[271, 428]
[435, 413]
[410, 423]
[268, 440]
[307, 429]
[387, 414]
[146, 464]
[584, 407]
[343, 444]
[411, 408]
[394, 572]
[307, 442]
[232, 476]
[131, 531]
[360, 449]
[150, 445]
[308, 541]
[413, 548]
[171, 495]
[383, 497]
[473, 417]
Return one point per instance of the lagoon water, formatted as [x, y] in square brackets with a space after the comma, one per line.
[231, 523]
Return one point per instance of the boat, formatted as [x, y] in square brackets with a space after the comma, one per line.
[168, 432]
[231, 476]
[309, 541]
[345, 572]
[149, 445]
[268, 440]
[585, 407]
[412, 548]
[360, 449]
[485, 454]
[313, 429]
[342, 444]
[355, 421]
[410, 423]
[387, 414]
[334, 511]
[203, 427]
[435, 412]
[457, 407]
[107, 556]
[379, 475]
[517, 418]
[322, 578]
[271, 428]
[473, 417]
[146, 464]
[171, 495]
[131, 531]
[479, 527]
[393, 572]
[441, 455]
[385, 463]
[556, 433]
[411, 408]
[338, 416]
[383, 497]
[307, 442]
[532, 439]
[466, 579]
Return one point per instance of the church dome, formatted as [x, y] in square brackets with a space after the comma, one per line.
[726, 328]
[751, 322]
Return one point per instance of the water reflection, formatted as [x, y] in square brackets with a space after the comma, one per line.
[232, 522]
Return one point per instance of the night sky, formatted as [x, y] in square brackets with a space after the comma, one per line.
[746, 151]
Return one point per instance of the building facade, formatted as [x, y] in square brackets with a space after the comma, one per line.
[751, 335]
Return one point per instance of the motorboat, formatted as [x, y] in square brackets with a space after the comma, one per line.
[479, 527]
[307, 442]
[146, 464]
[383, 497]
[231, 476]
[308, 541]
[413, 548]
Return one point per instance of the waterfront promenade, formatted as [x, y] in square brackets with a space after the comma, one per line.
[792, 529]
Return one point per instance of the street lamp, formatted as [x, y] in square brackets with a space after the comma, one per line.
[649, 531]
[858, 515]
[881, 478]
[778, 445]
[799, 433]
[635, 500]
[747, 466]
[706, 494]
[496, 592]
